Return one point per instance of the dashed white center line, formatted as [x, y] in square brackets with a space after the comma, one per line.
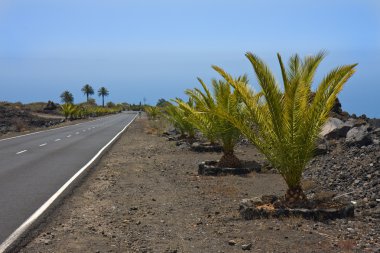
[68, 136]
[21, 152]
[57, 139]
[77, 133]
[43, 144]
[93, 127]
[83, 130]
[89, 128]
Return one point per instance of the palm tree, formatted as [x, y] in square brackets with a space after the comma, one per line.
[204, 116]
[197, 115]
[103, 92]
[67, 97]
[153, 112]
[180, 119]
[69, 110]
[87, 90]
[284, 125]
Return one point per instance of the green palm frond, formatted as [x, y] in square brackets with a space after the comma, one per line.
[204, 114]
[180, 118]
[69, 110]
[284, 125]
[198, 117]
[153, 112]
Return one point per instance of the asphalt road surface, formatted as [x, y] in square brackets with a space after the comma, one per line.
[34, 167]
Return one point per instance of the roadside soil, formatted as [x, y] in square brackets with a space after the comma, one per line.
[146, 196]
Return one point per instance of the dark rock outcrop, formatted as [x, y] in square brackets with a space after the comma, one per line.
[17, 120]
[359, 136]
[50, 106]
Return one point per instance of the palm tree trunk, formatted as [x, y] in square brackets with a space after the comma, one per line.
[87, 97]
[295, 196]
[229, 160]
[103, 99]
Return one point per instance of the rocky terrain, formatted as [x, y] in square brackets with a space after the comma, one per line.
[16, 117]
[350, 169]
[146, 196]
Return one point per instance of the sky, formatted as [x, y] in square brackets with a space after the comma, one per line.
[151, 49]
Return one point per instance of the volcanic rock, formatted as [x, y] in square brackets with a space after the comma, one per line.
[335, 129]
[359, 136]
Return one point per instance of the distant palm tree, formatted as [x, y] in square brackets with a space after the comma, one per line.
[88, 90]
[103, 92]
[67, 97]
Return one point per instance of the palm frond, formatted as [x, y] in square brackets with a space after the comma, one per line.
[284, 125]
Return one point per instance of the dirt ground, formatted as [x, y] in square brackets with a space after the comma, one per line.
[146, 196]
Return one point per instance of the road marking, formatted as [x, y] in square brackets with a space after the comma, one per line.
[43, 144]
[84, 130]
[21, 152]
[26, 225]
[57, 139]
[89, 128]
[77, 133]
[68, 136]
[93, 127]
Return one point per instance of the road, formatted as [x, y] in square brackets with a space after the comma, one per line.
[35, 166]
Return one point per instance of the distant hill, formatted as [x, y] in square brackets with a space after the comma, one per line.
[18, 117]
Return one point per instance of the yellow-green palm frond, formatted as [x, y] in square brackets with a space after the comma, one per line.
[324, 99]
[180, 118]
[284, 124]
[153, 112]
[271, 91]
[69, 110]
[253, 116]
[201, 120]
[207, 103]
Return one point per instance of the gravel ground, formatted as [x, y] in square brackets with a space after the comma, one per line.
[145, 196]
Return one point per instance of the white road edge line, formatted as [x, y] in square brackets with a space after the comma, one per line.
[21, 152]
[43, 144]
[24, 226]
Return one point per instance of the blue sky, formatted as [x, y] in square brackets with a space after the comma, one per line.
[156, 49]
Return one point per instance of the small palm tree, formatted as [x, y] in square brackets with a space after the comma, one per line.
[204, 122]
[204, 116]
[180, 119]
[69, 110]
[67, 97]
[152, 111]
[87, 90]
[103, 92]
[285, 124]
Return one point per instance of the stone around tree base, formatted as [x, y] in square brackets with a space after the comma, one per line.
[266, 207]
[321, 149]
[206, 147]
[210, 168]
